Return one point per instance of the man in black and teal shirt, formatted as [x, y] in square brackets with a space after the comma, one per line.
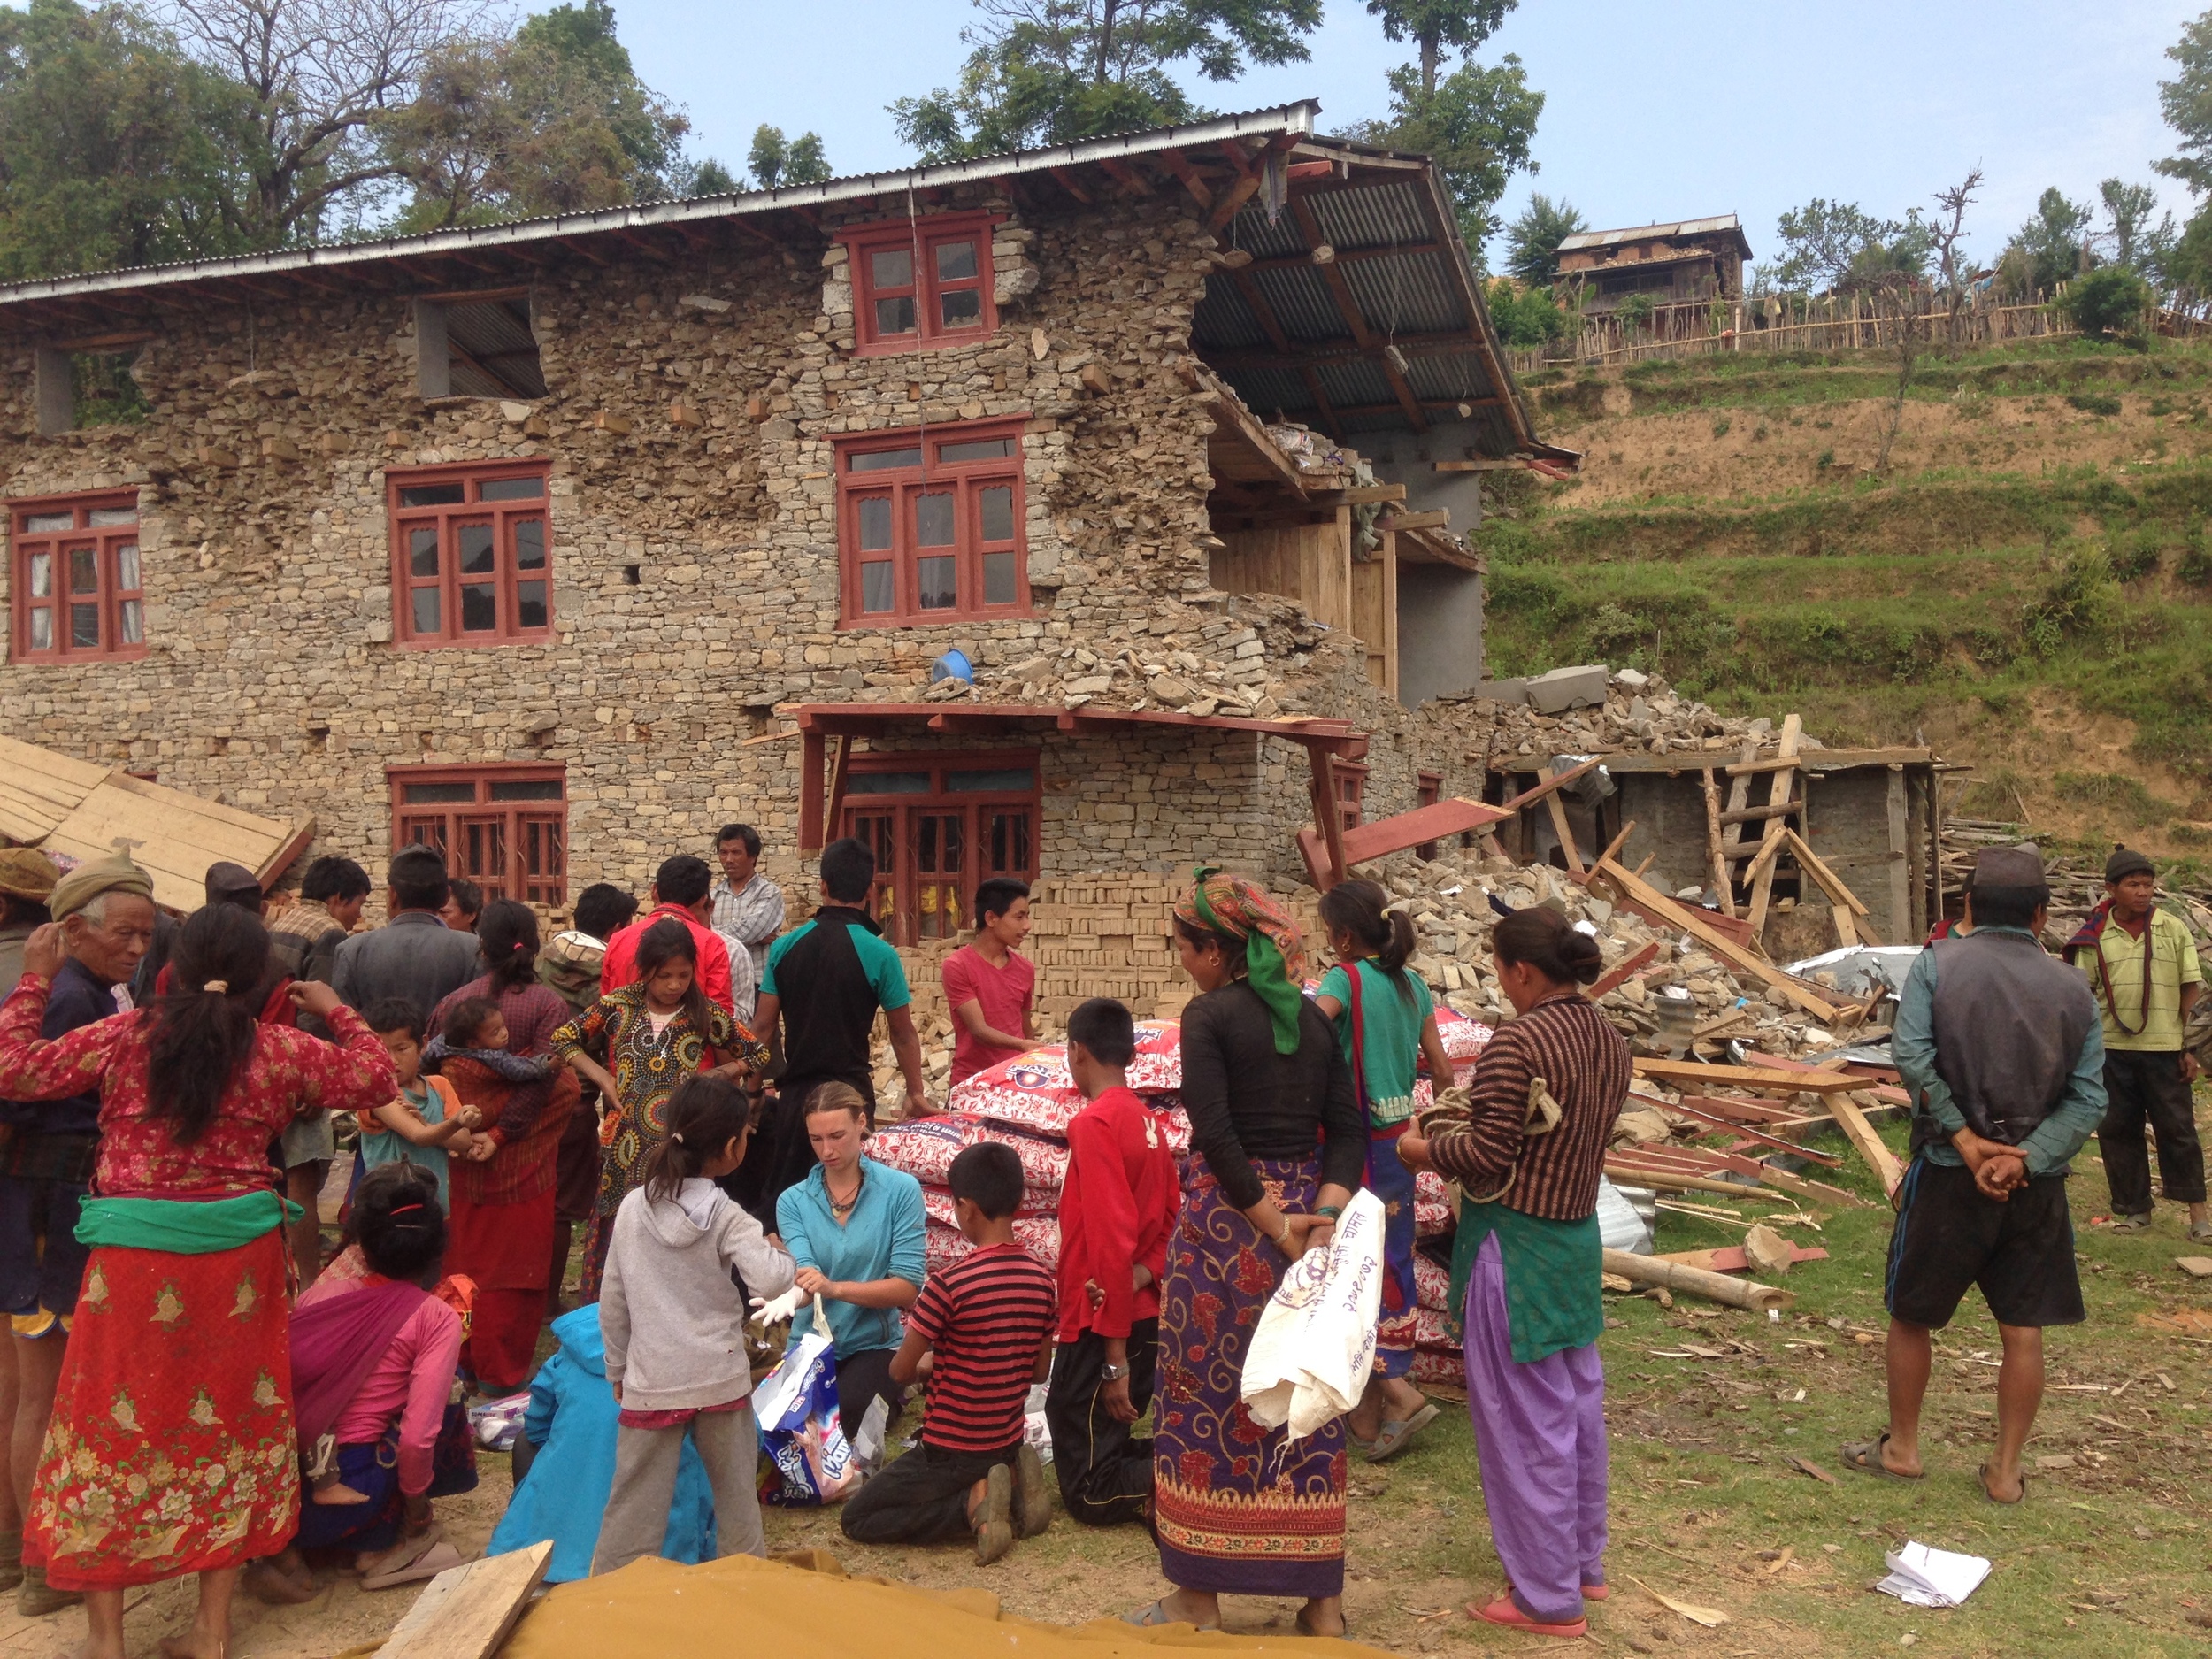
[1999, 1044]
[826, 979]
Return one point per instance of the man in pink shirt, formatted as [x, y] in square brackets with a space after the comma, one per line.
[989, 985]
[680, 889]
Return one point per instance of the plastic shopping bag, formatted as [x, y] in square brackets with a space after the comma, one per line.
[1315, 1344]
[804, 1459]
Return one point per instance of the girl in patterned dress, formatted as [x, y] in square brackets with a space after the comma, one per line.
[638, 1043]
[172, 1447]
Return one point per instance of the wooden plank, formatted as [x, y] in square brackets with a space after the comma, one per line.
[1762, 814]
[1558, 810]
[1780, 786]
[175, 836]
[1619, 976]
[1861, 1134]
[39, 787]
[1529, 797]
[467, 1611]
[1724, 889]
[1415, 521]
[1436, 822]
[1756, 1079]
[1832, 885]
[840, 775]
[1328, 816]
[1761, 1136]
[1674, 915]
[1375, 613]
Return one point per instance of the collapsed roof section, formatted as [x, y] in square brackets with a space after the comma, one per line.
[1343, 296]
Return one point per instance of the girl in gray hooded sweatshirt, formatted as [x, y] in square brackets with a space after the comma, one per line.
[674, 1325]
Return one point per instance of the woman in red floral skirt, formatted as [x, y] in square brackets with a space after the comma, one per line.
[172, 1447]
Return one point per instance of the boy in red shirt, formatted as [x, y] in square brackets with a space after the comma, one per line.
[988, 1320]
[1119, 1208]
[989, 985]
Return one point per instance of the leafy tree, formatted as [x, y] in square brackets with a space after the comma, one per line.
[2053, 247]
[774, 161]
[553, 120]
[2111, 300]
[1838, 247]
[1433, 25]
[115, 148]
[711, 178]
[1526, 316]
[2134, 241]
[1531, 240]
[2186, 103]
[1478, 125]
[1050, 71]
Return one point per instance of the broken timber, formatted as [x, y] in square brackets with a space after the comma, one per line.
[1672, 914]
[1385, 836]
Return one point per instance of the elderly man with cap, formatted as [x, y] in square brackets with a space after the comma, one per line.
[1999, 1044]
[414, 956]
[2141, 964]
[27, 878]
[106, 912]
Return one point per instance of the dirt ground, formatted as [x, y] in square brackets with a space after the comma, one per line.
[1707, 1407]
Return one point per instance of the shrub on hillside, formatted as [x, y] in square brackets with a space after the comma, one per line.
[1525, 316]
[2133, 805]
[2076, 604]
[2135, 556]
[2108, 301]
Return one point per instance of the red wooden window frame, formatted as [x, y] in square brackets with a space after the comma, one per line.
[502, 825]
[506, 543]
[934, 281]
[92, 573]
[925, 885]
[1428, 789]
[881, 523]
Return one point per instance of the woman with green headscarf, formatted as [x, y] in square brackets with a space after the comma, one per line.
[1278, 1142]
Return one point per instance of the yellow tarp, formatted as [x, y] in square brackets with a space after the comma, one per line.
[653, 1608]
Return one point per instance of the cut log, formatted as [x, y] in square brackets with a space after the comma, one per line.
[1730, 1258]
[1730, 1293]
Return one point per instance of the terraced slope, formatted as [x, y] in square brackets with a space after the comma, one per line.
[2028, 585]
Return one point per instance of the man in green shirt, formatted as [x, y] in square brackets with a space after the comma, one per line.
[2141, 964]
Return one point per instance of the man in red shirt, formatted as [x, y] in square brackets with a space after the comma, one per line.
[989, 985]
[1118, 1207]
[680, 889]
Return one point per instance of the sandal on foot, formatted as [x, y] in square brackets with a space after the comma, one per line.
[1596, 1592]
[1981, 1476]
[993, 1520]
[1156, 1614]
[1395, 1437]
[2130, 1224]
[2200, 1232]
[429, 1565]
[1866, 1457]
[1503, 1611]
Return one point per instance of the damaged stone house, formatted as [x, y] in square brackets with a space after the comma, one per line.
[559, 543]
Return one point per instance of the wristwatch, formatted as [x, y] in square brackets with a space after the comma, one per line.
[1113, 1373]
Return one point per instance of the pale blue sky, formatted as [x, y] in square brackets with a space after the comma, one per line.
[1656, 109]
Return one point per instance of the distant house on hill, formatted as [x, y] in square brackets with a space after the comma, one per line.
[1690, 259]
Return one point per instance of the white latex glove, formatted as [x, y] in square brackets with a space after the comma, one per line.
[777, 1310]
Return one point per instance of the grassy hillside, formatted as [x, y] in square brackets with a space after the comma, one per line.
[2028, 585]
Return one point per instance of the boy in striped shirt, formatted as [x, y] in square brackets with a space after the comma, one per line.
[988, 1319]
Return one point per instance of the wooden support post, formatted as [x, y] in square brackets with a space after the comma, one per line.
[809, 791]
[1613, 846]
[1900, 859]
[1740, 784]
[841, 772]
[1328, 816]
[1777, 794]
[1723, 889]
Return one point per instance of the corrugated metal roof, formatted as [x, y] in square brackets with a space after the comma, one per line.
[1637, 233]
[1403, 294]
[1289, 117]
[1379, 215]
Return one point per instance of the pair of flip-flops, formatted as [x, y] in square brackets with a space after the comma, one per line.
[1395, 1437]
[411, 1560]
[1866, 1457]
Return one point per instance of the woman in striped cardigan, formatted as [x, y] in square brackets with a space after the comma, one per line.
[1526, 1268]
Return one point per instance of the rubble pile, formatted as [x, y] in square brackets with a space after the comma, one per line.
[1640, 712]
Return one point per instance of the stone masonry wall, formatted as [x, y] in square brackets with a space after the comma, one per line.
[695, 562]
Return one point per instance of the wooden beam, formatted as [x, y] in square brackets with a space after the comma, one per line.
[1900, 883]
[1328, 815]
[1347, 305]
[1685, 1072]
[1870, 1146]
[1060, 177]
[1677, 916]
[1416, 521]
[1126, 175]
[1233, 199]
[1280, 261]
[1394, 834]
[1529, 797]
[1724, 889]
[1620, 975]
[1558, 810]
[809, 788]
[840, 774]
[1262, 312]
[1423, 345]
[485, 369]
[1178, 164]
[1778, 789]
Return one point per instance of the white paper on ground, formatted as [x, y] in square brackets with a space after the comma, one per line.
[1931, 1578]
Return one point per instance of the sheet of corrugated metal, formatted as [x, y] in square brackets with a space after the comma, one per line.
[1462, 374]
[1268, 390]
[1348, 384]
[1223, 320]
[1679, 227]
[1405, 294]
[1301, 302]
[1379, 215]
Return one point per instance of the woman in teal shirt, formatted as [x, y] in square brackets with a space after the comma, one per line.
[1395, 1018]
[855, 1228]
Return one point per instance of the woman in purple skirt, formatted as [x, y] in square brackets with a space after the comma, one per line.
[1526, 1268]
[1277, 1144]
